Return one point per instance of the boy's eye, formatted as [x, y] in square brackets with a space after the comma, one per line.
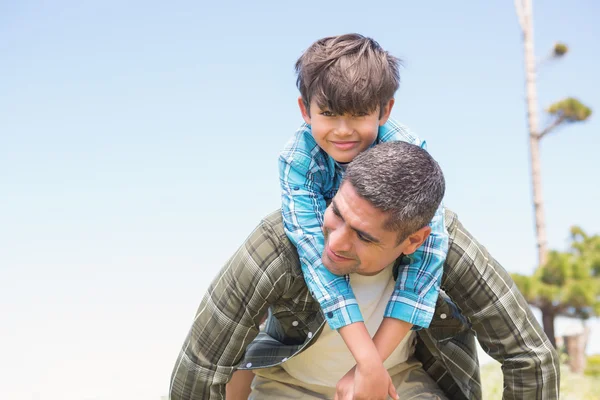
[363, 114]
[327, 114]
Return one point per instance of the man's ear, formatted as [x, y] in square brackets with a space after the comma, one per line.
[415, 240]
[385, 113]
[303, 110]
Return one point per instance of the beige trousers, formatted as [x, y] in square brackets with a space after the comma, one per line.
[411, 382]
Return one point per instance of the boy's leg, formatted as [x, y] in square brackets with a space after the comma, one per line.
[413, 383]
[238, 388]
[275, 383]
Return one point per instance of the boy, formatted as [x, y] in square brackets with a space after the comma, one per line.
[347, 84]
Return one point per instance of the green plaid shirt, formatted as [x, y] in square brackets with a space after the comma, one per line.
[478, 300]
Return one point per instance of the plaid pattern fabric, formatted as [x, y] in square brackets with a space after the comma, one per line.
[477, 299]
[309, 177]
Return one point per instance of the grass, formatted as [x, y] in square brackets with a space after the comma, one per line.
[572, 386]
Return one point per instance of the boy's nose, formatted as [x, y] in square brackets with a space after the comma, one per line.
[343, 129]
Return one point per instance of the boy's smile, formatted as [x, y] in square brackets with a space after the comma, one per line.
[345, 136]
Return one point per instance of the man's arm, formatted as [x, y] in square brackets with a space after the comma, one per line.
[229, 316]
[502, 319]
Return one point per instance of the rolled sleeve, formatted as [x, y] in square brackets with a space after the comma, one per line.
[229, 316]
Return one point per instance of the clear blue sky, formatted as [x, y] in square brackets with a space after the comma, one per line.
[138, 147]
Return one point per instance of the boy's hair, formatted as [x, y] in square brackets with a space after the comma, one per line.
[347, 74]
[400, 179]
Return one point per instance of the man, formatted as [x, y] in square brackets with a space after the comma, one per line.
[369, 232]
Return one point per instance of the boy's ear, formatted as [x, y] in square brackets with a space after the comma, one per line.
[303, 110]
[387, 110]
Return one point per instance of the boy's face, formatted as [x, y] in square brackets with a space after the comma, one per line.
[343, 137]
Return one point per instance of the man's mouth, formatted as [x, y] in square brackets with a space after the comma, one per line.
[333, 256]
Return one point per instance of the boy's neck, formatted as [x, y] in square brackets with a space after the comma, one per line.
[342, 165]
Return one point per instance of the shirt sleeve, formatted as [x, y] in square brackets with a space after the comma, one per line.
[501, 318]
[229, 316]
[303, 208]
[418, 284]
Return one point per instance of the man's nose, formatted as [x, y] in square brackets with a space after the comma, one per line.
[339, 240]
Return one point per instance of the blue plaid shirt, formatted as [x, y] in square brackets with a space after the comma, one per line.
[309, 177]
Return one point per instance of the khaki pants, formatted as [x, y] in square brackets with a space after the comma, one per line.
[411, 382]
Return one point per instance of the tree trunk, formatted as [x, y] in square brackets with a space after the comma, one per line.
[526, 19]
[576, 350]
[548, 316]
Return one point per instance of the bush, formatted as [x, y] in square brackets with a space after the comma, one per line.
[593, 366]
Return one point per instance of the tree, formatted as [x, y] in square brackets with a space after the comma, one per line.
[566, 111]
[524, 11]
[569, 284]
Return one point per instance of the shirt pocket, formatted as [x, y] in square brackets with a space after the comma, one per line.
[293, 327]
[447, 321]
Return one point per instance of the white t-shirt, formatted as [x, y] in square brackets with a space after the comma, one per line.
[328, 359]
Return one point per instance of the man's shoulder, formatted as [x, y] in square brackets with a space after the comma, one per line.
[273, 222]
[392, 130]
[269, 238]
[450, 220]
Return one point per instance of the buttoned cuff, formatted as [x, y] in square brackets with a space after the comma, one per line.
[342, 312]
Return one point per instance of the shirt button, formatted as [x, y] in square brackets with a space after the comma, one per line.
[296, 188]
[295, 323]
[329, 314]
[309, 335]
[248, 365]
[443, 316]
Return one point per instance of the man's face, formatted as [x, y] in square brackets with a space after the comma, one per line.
[343, 137]
[355, 239]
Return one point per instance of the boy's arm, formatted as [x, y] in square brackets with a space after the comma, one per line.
[418, 284]
[369, 376]
[389, 335]
[303, 207]
[229, 316]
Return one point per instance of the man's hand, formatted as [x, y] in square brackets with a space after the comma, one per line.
[366, 382]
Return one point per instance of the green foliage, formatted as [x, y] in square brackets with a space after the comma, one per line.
[560, 49]
[572, 386]
[593, 366]
[558, 269]
[526, 286]
[569, 282]
[570, 110]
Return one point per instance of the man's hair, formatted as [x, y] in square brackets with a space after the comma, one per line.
[347, 74]
[400, 179]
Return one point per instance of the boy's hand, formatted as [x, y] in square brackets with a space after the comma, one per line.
[345, 387]
[366, 382]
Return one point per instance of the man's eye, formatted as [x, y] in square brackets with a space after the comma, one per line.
[363, 238]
